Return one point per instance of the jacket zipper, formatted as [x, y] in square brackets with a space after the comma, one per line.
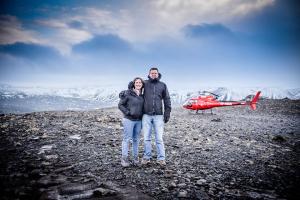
[153, 100]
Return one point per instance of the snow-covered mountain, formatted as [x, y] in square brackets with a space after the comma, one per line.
[235, 94]
[228, 94]
[97, 93]
[28, 99]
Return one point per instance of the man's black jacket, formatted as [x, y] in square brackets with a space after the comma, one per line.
[155, 96]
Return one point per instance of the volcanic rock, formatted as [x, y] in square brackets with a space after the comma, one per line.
[76, 155]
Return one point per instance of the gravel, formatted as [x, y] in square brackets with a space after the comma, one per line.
[234, 153]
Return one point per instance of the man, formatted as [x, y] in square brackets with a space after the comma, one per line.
[157, 108]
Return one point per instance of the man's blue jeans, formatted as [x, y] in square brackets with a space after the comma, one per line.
[131, 131]
[157, 122]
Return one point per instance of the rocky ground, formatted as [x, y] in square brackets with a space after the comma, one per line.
[236, 153]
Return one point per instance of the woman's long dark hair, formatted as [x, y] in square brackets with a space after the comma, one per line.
[137, 79]
[143, 84]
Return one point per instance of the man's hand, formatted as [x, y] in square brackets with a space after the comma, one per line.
[166, 118]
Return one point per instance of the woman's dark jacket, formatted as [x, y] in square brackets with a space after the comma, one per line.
[131, 104]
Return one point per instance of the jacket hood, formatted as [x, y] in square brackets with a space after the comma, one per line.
[130, 85]
[156, 79]
[122, 94]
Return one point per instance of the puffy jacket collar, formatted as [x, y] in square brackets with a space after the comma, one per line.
[132, 92]
[156, 79]
[124, 93]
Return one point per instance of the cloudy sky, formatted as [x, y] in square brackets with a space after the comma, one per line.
[193, 42]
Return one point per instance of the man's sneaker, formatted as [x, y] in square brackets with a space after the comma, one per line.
[162, 163]
[124, 162]
[145, 161]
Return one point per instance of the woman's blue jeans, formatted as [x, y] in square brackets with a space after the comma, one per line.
[131, 131]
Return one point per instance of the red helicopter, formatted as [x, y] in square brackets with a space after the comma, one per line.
[208, 100]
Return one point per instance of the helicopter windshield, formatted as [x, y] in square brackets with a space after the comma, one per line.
[190, 102]
[206, 93]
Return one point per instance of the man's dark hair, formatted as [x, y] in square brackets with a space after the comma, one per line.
[153, 68]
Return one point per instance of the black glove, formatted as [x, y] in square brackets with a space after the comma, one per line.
[166, 118]
[135, 116]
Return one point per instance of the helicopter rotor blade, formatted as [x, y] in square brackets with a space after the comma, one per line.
[212, 93]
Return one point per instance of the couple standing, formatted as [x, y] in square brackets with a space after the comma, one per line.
[142, 106]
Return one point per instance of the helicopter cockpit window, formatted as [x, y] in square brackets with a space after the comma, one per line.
[207, 93]
[190, 102]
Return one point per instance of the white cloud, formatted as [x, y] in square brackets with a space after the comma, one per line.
[178, 13]
[62, 37]
[142, 22]
[217, 10]
[250, 6]
[52, 23]
[99, 21]
[150, 19]
[11, 31]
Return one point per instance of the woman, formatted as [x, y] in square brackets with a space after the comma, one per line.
[131, 105]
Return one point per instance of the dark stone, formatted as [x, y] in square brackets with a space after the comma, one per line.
[279, 138]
